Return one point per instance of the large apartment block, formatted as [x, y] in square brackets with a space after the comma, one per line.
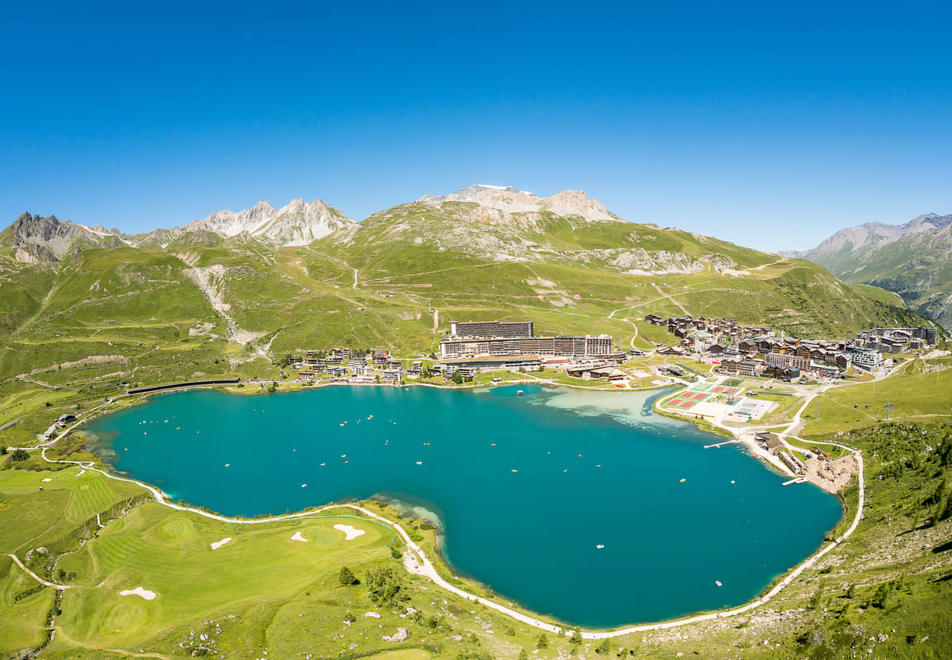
[491, 328]
[587, 346]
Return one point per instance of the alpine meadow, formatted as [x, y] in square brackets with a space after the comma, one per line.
[385, 403]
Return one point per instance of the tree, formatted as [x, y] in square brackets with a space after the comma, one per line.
[385, 587]
[604, 648]
[19, 455]
[347, 578]
[851, 591]
[543, 642]
[457, 378]
[523, 655]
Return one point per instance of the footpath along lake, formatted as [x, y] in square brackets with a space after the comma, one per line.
[574, 504]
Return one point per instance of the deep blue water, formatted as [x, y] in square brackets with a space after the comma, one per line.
[525, 487]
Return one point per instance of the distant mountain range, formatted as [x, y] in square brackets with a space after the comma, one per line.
[231, 293]
[913, 260]
[34, 238]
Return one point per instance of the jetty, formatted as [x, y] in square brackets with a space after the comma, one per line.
[726, 442]
[797, 480]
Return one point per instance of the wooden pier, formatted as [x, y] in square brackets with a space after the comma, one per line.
[726, 442]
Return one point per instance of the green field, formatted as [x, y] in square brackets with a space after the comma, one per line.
[916, 396]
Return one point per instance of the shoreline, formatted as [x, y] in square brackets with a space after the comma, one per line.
[417, 563]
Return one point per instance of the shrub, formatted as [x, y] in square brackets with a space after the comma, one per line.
[19, 455]
[881, 595]
[543, 642]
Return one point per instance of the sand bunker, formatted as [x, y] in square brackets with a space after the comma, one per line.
[140, 592]
[350, 533]
[218, 544]
[297, 537]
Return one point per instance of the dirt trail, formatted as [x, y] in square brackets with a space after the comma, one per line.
[679, 305]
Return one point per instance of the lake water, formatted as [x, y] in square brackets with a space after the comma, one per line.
[581, 505]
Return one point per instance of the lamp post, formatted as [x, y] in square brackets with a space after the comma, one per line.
[888, 406]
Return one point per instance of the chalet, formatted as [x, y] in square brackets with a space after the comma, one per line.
[468, 373]
[717, 349]
[781, 373]
[65, 419]
[769, 441]
[747, 346]
[749, 367]
[729, 366]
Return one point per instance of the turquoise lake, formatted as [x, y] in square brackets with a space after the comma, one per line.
[526, 488]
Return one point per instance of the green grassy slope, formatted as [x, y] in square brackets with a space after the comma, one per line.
[206, 306]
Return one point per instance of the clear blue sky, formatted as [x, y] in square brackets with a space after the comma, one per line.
[769, 124]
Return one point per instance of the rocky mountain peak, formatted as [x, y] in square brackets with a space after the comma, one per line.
[297, 223]
[37, 238]
[568, 203]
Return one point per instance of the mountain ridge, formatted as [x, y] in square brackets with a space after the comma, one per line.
[913, 260]
[295, 224]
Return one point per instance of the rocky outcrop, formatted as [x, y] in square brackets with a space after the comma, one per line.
[568, 203]
[298, 223]
[35, 238]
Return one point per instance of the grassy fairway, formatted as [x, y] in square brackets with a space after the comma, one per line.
[169, 552]
[262, 591]
[915, 395]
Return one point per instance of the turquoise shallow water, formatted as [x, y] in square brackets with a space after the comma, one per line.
[525, 487]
